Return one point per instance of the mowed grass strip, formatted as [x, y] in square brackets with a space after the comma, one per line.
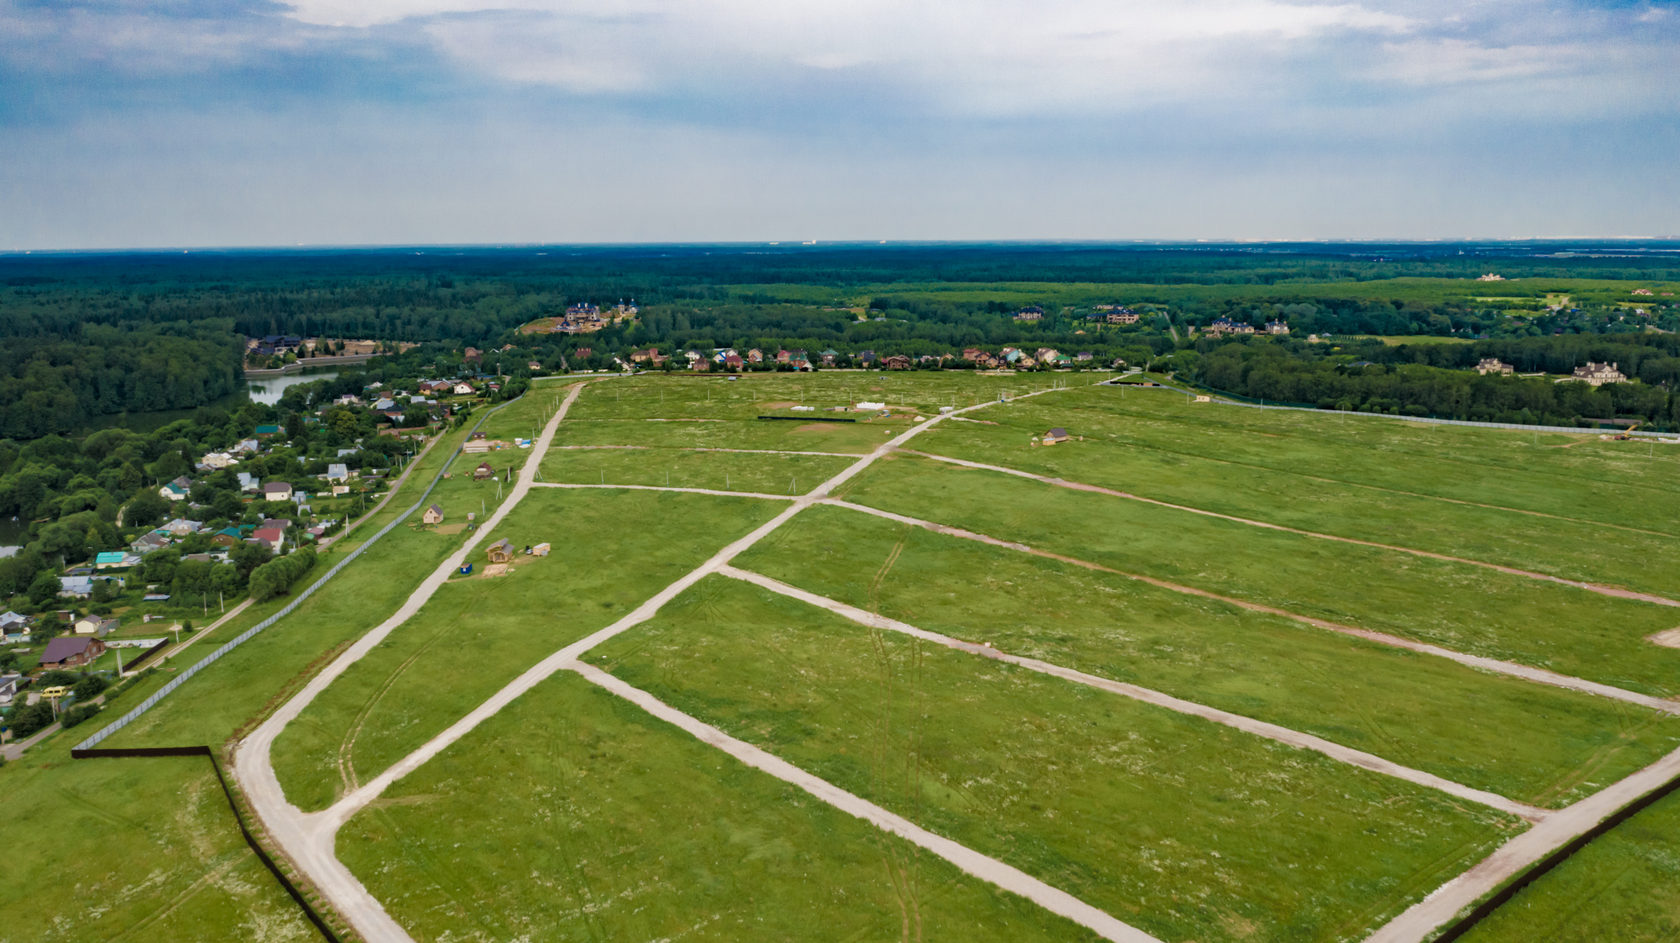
[1110, 454]
[1529, 742]
[1458, 606]
[1624, 887]
[1180, 827]
[612, 550]
[768, 473]
[751, 394]
[1629, 483]
[573, 815]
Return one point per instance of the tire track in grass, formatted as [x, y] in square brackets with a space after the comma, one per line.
[1600, 588]
[1497, 666]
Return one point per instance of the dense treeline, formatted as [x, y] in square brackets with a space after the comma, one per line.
[1410, 386]
[59, 382]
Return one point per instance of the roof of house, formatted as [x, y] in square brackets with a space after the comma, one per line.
[270, 535]
[61, 648]
[276, 487]
[76, 584]
[1058, 433]
[268, 430]
[503, 544]
[436, 510]
[109, 556]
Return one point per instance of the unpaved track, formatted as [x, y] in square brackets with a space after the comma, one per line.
[1249, 725]
[979, 865]
[1525, 672]
[307, 838]
[715, 492]
[1599, 588]
[697, 448]
[1419, 921]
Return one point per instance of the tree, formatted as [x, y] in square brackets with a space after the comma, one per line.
[45, 588]
[146, 509]
[89, 687]
[31, 719]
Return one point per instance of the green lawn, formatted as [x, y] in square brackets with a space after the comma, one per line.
[1624, 887]
[1462, 607]
[613, 826]
[769, 472]
[1530, 742]
[1183, 828]
[479, 633]
[1630, 484]
[1300, 490]
[146, 848]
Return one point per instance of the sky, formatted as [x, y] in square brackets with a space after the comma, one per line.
[127, 124]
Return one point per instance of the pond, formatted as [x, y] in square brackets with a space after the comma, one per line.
[267, 390]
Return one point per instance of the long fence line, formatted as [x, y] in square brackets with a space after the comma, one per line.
[1233, 399]
[251, 632]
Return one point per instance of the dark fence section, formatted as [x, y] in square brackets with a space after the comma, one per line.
[309, 911]
[811, 418]
[146, 655]
[1540, 868]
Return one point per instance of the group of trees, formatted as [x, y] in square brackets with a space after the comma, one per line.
[276, 576]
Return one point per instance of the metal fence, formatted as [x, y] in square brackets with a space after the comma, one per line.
[285, 611]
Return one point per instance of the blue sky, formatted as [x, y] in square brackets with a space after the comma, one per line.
[131, 124]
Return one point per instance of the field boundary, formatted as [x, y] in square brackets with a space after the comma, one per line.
[314, 916]
[1539, 869]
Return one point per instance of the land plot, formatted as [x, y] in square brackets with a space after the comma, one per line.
[1183, 828]
[1631, 484]
[1624, 886]
[769, 472]
[131, 849]
[479, 633]
[1108, 455]
[1458, 606]
[1529, 742]
[856, 438]
[610, 825]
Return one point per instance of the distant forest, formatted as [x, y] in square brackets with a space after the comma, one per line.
[85, 336]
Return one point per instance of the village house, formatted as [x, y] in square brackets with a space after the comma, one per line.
[75, 587]
[96, 626]
[896, 362]
[274, 538]
[755, 356]
[71, 652]
[1222, 326]
[277, 491]
[432, 515]
[1122, 316]
[973, 354]
[472, 355]
[462, 388]
[483, 472]
[338, 471]
[1054, 436]
[500, 552]
[1277, 327]
[1598, 374]
[1030, 313]
[8, 688]
[215, 461]
[176, 490]
[1489, 365]
[114, 560]
[149, 542]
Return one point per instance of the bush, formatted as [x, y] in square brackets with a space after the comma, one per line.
[57, 676]
[276, 576]
[31, 719]
[77, 714]
[89, 687]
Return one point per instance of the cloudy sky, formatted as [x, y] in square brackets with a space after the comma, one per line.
[277, 122]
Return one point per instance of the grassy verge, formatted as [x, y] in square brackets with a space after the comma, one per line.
[1303, 491]
[1624, 886]
[1462, 607]
[1181, 827]
[1529, 742]
[479, 633]
[770, 472]
[587, 840]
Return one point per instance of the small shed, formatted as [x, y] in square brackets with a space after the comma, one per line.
[540, 550]
[483, 471]
[501, 551]
[432, 515]
[1055, 435]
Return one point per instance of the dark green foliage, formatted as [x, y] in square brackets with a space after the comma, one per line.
[31, 719]
[89, 687]
[276, 576]
[77, 714]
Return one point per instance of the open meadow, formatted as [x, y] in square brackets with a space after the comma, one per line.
[933, 701]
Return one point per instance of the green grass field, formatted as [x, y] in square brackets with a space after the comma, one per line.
[1530, 742]
[768, 473]
[1624, 887]
[1183, 828]
[1465, 608]
[1295, 492]
[479, 633]
[614, 826]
